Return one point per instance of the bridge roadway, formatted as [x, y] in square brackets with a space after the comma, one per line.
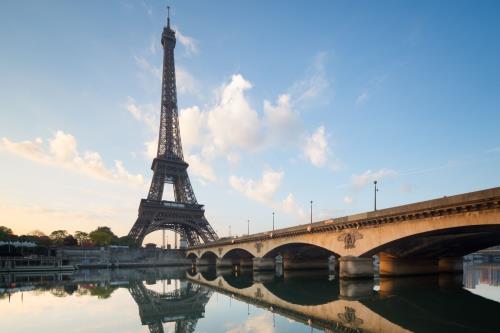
[421, 238]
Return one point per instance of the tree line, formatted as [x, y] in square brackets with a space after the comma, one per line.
[102, 236]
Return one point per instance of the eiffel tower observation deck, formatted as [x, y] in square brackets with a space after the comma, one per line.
[184, 215]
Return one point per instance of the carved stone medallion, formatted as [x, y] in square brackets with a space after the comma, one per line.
[349, 238]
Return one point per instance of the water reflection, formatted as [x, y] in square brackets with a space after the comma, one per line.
[171, 300]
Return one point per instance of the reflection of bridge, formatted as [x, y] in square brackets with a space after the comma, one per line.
[425, 304]
[333, 315]
[425, 237]
[184, 306]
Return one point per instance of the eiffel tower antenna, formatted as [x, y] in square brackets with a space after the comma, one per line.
[168, 16]
[183, 215]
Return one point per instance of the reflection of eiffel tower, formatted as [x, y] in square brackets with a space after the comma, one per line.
[184, 306]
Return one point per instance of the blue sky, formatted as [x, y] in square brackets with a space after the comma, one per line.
[280, 103]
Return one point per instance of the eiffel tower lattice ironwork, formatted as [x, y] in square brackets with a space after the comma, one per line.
[184, 215]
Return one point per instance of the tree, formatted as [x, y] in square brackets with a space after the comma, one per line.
[58, 236]
[126, 241]
[102, 236]
[5, 233]
[70, 241]
[36, 233]
[81, 237]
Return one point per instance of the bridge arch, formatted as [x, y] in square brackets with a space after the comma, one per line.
[210, 255]
[455, 241]
[304, 249]
[238, 253]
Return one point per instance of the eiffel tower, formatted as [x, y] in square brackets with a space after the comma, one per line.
[184, 215]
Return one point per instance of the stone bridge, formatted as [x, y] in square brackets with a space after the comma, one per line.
[420, 238]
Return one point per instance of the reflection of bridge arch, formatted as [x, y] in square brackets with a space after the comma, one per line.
[337, 316]
[184, 306]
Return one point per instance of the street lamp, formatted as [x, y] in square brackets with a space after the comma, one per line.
[375, 190]
[273, 221]
[248, 227]
[311, 211]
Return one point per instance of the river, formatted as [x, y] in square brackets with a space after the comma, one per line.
[176, 300]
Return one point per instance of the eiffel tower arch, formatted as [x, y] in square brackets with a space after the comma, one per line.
[183, 215]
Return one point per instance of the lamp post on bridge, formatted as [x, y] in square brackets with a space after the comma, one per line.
[311, 211]
[273, 221]
[248, 227]
[375, 190]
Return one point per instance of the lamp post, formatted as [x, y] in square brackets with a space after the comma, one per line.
[273, 221]
[248, 227]
[311, 211]
[375, 190]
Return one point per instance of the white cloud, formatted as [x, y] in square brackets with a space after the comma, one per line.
[189, 43]
[281, 122]
[233, 159]
[147, 113]
[233, 122]
[369, 176]
[315, 147]
[361, 99]
[186, 83]
[144, 64]
[348, 200]
[289, 206]
[261, 323]
[200, 167]
[261, 190]
[62, 151]
[191, 123]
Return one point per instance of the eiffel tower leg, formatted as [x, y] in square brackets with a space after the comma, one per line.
[138, 231]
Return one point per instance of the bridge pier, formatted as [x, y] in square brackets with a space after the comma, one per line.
[351, 267]
[301, 263]
[392, 266]
[263, 264]
[450, 265]
[246, 262]
[355, 289]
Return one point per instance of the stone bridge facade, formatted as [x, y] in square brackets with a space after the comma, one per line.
[424, 237]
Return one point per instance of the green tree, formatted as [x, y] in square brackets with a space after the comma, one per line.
[5, 233]
[102, 236]
[81, 237]
[126, 241]
[58, 236]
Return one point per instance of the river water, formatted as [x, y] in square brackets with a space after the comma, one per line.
[173, 300]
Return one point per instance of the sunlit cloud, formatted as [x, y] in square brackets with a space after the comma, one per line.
[62, 151]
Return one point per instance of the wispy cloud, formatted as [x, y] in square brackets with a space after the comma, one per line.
[61, 151]
[315, 83]
[185, 81]
[361, 180]
[189, 43]
[493, 150]
[361, 99]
